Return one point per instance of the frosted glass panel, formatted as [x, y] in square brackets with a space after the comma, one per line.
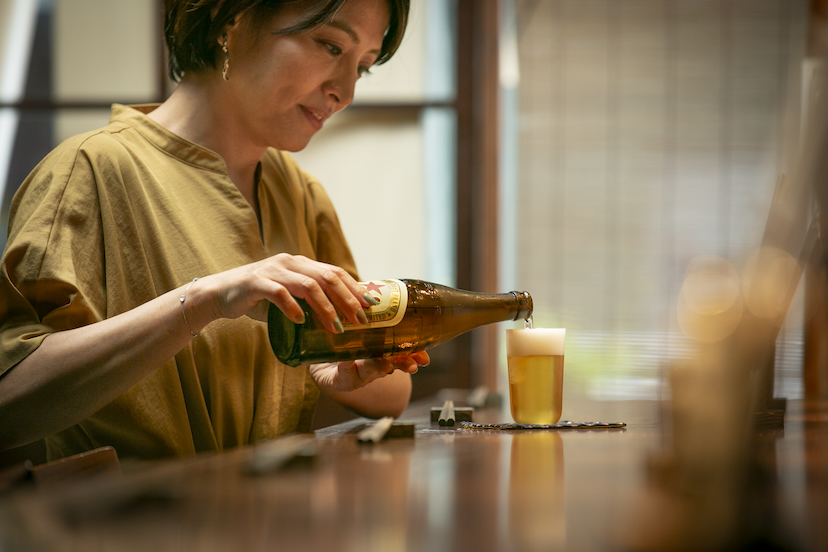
[650, 132]
[105, 50]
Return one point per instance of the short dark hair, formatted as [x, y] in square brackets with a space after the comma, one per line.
[192, 27]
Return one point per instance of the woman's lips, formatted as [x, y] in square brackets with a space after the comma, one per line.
[316, 120]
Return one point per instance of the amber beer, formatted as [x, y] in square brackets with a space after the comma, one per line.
[536, 359]
[411, 316]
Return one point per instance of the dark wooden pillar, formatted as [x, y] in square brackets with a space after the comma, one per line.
[818, 28]
[815, 362]
[477, 172]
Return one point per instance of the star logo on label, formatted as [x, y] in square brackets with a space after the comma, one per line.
[374, 287]
[374, 290]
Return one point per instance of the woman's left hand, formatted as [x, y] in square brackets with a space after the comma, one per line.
[355, 374]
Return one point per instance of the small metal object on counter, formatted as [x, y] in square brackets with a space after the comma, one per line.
[447, 414]
[564, 424]
[461, 414]
[273, 455]
[481, 397]
[375, 432]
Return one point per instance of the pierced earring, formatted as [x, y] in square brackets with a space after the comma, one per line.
[226, 65]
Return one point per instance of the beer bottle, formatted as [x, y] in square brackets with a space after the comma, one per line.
[411, 316]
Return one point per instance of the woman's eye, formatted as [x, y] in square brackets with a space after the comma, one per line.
[333, 49]
[363, 70]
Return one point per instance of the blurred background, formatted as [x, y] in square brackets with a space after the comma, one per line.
[582, 150]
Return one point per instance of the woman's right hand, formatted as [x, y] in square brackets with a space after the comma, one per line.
[246, 290]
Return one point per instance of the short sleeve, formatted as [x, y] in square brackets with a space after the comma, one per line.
[51, 273]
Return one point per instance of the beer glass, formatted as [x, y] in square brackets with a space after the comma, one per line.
[536, 358]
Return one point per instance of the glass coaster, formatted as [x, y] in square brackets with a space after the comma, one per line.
[563, 424]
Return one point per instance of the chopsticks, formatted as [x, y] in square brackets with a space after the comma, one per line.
[447, 414]
[375, 432]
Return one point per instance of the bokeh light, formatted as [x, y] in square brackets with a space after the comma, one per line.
[710, 302]
[769, 278]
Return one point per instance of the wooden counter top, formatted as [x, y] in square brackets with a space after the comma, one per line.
[448, 488]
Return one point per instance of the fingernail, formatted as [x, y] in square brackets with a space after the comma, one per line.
[362, 317]
[371, 299]
[338, 325]
[415, 371]
[299, 318]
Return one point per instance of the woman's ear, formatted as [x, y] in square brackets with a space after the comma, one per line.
[228, 30]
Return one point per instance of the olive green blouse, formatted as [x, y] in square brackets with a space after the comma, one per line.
[116, 217]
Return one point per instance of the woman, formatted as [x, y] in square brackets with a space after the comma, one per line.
[141, 257]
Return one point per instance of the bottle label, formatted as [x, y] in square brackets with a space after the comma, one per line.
[393, 300]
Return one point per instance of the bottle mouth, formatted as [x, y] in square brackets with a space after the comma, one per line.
[525, 302]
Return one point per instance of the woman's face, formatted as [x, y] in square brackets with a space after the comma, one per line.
[282, 88]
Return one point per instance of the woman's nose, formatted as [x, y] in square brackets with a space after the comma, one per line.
[341, 86]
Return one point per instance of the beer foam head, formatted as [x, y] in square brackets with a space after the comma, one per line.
[535, 342]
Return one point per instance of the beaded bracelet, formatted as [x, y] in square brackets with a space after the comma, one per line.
[181, 302]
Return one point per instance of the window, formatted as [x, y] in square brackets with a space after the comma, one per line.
[648, 133]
